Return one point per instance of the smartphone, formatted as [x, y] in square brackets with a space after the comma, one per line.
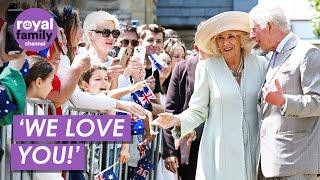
[11, 43]
[124, 55]
[140, 53]
[114, 52]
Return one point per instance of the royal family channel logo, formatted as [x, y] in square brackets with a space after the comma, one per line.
[35, 29]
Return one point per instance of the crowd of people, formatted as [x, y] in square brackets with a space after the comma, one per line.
[206, 101]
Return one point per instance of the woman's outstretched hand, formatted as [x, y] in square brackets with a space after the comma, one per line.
[166, 120]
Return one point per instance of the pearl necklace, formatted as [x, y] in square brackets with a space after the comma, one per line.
[238, 72]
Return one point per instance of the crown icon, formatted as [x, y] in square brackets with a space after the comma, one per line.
[27, 24]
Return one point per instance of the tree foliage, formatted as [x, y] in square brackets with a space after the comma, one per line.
[316, 19]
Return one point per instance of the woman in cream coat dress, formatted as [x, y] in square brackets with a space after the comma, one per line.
[225, 97]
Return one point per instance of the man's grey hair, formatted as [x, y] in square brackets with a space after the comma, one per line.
[262, 14]
[170, 33]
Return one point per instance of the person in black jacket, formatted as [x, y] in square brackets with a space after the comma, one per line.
[178, 96]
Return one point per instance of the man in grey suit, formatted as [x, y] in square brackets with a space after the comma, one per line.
[290, 99]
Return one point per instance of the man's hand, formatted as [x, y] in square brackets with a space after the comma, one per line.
[273, 94]
[172, 164]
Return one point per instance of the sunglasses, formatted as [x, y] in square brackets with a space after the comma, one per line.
[106, 32]
[133, 42]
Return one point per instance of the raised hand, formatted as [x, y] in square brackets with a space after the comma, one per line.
[81, 62]
[134, 64]
[114, 72]
[139, 85]
[273, 94]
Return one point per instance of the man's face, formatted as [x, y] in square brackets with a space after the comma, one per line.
[153, 42]
[127, 39]
[98, 82]
[262, 35]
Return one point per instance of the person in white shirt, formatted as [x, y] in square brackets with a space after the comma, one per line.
[38, 83]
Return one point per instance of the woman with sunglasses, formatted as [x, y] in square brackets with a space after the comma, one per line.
[101, 32]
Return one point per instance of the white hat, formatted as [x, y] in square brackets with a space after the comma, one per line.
[231, 20]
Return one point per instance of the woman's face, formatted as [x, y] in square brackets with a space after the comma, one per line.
[178, 55]
[165, 72]
[229, 44]
[100, 43]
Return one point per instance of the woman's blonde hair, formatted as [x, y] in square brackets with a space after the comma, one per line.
[171, 43]
[91, 20]
[246, 44]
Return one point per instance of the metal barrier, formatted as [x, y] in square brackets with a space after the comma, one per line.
[108, 150]
[101, 154]
[6, 141]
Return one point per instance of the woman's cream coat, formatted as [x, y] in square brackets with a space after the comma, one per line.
[230, 135]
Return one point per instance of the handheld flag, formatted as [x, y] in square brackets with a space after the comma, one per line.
[143, 169]
[107, 174]
[143, 97]
[157, 63]
[137, 127]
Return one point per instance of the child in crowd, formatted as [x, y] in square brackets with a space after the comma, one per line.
[38, 83]
[135, 77]
[95, 81]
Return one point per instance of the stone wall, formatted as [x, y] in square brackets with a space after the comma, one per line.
[125, 10]
[180, 15]
[185, 15]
